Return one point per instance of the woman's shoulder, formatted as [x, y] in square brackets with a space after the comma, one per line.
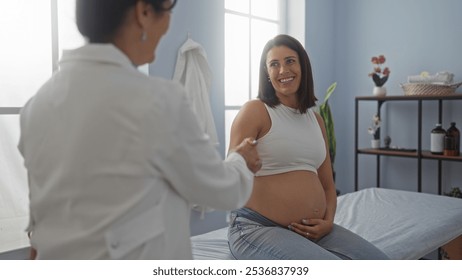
[253, 112]
[159, 82]
[158, 94]
[318, 117]
[314, 112]
[254, 105]
[165, 90]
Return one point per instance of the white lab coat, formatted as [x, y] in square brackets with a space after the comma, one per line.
[114, 158]
[193, 72]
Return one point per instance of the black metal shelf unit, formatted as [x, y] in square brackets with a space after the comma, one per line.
[418, 154]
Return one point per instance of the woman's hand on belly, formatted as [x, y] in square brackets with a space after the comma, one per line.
[312, 228]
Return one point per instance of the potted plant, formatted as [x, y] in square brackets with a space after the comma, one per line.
[374, 130]
[379, 75]
[453, 249]
[454, 192]
[326, 114]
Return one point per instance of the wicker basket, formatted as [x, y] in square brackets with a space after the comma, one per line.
[429, 89]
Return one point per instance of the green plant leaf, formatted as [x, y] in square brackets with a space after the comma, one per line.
[455, 192]
[328, 119]
[329, 91]
[326, 115]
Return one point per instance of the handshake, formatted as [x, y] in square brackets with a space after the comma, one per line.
[248, 150]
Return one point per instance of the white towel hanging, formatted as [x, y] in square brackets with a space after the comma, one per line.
[193, 72]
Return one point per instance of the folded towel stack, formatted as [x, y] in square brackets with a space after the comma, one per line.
[440, 78]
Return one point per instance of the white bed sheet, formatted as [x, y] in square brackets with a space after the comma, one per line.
[405, 225]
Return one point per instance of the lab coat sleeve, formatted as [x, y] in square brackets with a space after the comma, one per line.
[195, 169]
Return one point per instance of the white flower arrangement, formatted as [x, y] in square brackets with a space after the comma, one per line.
[374, 129]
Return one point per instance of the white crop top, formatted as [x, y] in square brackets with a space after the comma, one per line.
[294, 142]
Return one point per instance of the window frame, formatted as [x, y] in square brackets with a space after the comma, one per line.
[281, 22]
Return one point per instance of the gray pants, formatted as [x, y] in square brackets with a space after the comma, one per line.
[253, 236]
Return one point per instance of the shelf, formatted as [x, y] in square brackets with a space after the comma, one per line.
[456, 96]
[395, 153]
[418, 154]
[428, 155]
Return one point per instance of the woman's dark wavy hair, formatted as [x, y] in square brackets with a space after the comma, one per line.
[99, 20]
[305, 94]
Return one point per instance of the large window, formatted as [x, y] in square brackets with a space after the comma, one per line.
[34, 32]
[249, 24]
[33, 35]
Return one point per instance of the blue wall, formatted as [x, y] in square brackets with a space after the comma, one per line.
[414, 35]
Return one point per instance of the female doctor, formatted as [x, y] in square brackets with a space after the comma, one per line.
[115, 157]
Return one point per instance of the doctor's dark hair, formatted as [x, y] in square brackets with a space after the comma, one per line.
[305, 94]
[99, 20]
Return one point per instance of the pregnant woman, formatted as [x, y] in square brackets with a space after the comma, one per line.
[290, 214]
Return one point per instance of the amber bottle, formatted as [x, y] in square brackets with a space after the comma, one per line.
[454, 134]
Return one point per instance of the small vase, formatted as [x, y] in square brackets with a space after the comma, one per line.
[380, 91]
[375, 143]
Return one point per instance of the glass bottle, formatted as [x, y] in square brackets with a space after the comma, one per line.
[449, 145]
[437, 140]
[455, 134]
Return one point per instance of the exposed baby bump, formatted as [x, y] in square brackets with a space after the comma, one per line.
[283, 199]
[304, 204]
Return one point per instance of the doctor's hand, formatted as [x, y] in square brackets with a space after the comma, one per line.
[248, 150]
